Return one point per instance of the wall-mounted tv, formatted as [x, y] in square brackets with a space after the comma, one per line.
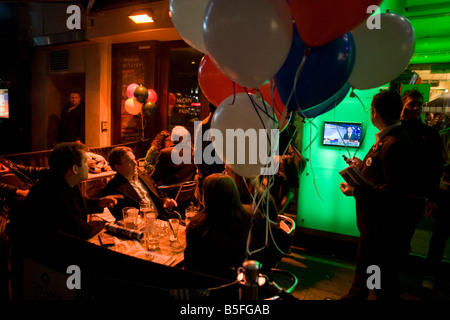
[342, 134]
[4, 104]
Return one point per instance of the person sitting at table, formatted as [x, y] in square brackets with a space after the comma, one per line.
[167, 171]
[133, 185]
[16, 181]
[265, 248]
[216, 237]
[161, 141]
[56, 201]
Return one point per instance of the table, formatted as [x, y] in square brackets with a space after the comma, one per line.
[169, 253]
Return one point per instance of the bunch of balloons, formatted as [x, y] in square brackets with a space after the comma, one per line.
[295, 55]
[141, 100]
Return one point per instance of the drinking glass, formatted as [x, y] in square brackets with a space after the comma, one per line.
[130, 217]
[173, 232]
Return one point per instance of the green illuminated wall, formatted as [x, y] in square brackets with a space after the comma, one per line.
[321, 204]
[431, 22]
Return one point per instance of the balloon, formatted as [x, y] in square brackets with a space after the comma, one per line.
[243, 111]
[382, 54]
[172, 99]
[187, 17]
[327, 105]
[321, 21]
[152, 96]
[149, 109]
[141, 94]
[248, 40]
[272, 97]
[214, 84]
[130, 90]
[325, 70]
[132, 106]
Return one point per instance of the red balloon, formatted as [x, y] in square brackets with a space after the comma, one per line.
[152, 96]
[214, 84]
[172, 99]
[321, 21]
[270, 95]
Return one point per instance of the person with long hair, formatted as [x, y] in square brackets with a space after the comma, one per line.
[216, 238]
[161, 141]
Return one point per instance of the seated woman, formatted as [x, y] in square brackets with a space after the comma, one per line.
[216, 238]
[266, 247]
[161, 141]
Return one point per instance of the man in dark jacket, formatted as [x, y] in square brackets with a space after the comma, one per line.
[380, 204]
[72, 122]
[429, 158]
[55, 201]
[133, 185]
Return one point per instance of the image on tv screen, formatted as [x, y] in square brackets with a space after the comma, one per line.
[342, 134]
[4, 104]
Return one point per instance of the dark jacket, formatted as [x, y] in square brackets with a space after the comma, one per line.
[390, 166]
[52, 203]
[72, 124]
[429, 156]
[120, 185]
[166, 172]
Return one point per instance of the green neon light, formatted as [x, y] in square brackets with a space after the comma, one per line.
[321, 204]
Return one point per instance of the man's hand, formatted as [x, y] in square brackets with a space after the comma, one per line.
[170, 203]
[109, 201]
[347, 189]
[22, 193]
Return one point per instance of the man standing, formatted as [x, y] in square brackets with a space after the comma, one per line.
[133, 185]
[72, 122]
[55, 201]
[380, 208]
[429, 158]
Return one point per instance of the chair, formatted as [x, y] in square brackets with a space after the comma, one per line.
[141, 163]
[183, 193]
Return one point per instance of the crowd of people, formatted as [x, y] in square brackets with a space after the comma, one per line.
[407, 168]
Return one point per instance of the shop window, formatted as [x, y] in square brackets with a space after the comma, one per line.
[185, 97]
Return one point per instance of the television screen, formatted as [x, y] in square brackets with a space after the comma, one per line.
[4, 104]
[344, 134]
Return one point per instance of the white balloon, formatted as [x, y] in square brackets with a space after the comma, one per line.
[248, 40]
[381, 54]
[240, 116]
[132, 106]
[187, 17]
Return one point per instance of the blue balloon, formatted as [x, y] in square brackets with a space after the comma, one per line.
[325, 71]
[327, 105]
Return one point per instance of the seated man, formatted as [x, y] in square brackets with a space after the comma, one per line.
[55, 201]
[134, 185]
[16, 180]
[167, 171]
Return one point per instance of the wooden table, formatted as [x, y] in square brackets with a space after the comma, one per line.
[169, 253]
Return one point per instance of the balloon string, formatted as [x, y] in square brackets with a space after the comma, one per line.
[297, 75]
[234, 92]
[256, 107]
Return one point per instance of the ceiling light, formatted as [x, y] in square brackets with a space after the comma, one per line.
[142, 16]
